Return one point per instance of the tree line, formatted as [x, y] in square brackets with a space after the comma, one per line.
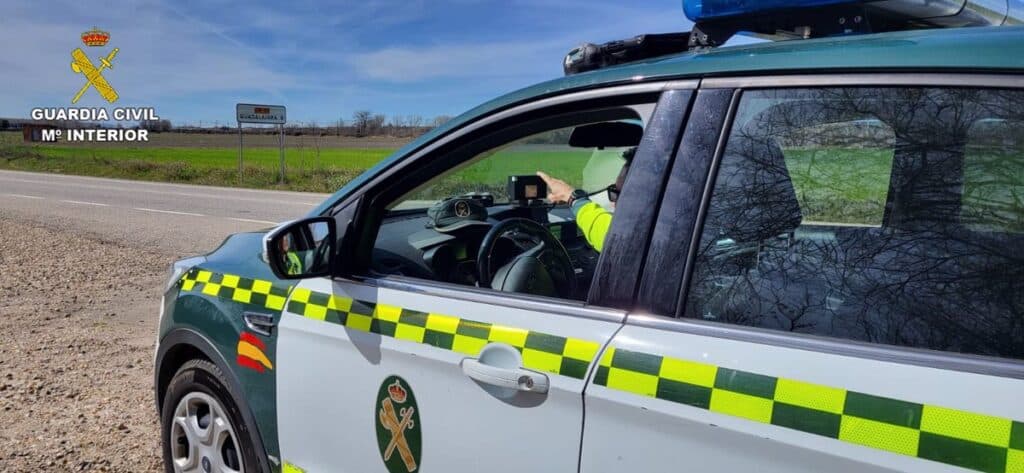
[363, 123]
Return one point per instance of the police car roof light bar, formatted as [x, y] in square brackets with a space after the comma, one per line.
[718, 20]
[899, 14]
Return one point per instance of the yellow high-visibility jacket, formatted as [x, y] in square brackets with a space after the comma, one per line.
[594, 220]
[294, 264]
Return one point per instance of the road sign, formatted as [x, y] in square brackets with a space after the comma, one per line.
[266, 114]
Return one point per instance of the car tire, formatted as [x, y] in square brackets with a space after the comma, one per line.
[201, 426]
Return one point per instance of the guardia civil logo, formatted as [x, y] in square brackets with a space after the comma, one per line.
[81, 64]
[398, 426]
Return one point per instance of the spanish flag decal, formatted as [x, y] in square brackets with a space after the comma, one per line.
[250, 353]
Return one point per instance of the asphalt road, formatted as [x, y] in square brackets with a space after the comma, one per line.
[175, 219]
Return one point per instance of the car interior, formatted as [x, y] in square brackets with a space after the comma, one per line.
[485, 221]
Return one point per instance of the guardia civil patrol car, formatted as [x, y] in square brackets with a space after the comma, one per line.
[805, 254]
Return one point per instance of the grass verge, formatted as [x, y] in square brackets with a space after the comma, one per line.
[212, 166]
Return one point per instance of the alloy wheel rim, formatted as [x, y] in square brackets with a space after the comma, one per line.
[202, 437]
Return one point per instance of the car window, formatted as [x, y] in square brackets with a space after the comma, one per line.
[886, 215]
[440, 229]
[487, 172]
[854, 158]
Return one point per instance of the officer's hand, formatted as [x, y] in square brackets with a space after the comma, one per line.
[558, 190]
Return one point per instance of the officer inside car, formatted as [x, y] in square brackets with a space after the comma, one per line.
[592, 219]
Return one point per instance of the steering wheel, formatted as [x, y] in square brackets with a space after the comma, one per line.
[543, 269]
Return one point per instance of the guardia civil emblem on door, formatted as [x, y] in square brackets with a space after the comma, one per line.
[398, 426]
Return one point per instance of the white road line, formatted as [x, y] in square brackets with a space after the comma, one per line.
[86, 203]
[133, 182]
[108, 187]
[26, 196]
[252, 221]
[167, 212]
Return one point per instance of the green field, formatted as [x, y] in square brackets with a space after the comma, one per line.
[306, 169]
[491, 174]
[841, 185]
[219, 158]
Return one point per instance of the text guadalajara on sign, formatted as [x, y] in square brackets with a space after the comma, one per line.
[268, 114]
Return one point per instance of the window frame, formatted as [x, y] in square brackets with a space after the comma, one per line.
[670, 316]
[364, 207]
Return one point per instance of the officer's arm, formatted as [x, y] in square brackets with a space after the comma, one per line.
[594, 220]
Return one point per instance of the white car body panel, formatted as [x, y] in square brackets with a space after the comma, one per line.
[329, 375]
[659, 433]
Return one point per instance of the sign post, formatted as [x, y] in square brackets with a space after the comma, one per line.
[261, 114]
[239, 153]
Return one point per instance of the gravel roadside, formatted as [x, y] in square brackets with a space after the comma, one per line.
[78, 319]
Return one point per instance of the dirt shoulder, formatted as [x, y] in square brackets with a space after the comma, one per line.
[78, 318]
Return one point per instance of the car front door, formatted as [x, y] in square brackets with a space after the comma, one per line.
[375, 378]
[851, 287]
[399, 374]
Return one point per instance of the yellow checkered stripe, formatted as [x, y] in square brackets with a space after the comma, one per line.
[966, 439]
[543, 352]
[236, 288]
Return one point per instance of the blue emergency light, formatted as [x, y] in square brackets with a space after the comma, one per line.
[940, 13]
[703, 10]
[715, 21]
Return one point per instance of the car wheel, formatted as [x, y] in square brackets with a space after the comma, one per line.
[201, 427]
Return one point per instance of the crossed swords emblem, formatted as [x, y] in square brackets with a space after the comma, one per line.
[81, 64]
[397, 427]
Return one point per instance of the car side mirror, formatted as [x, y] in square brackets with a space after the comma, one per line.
[302, 248]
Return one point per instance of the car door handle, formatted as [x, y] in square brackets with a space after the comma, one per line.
[262, 324]
[510, 378]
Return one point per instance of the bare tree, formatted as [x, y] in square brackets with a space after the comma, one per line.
[156, 126]
[361, 122]
[300, 151]
[318, 136]
[440, 120]
[377, 124]
[398, 124]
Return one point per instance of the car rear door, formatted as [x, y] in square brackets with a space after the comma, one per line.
[868, 334]
[391, 373]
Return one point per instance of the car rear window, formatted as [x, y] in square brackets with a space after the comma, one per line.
[886, 215]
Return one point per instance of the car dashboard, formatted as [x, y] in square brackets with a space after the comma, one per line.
[407, 245]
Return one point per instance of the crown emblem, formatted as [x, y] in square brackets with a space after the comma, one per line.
[396, 392]
[95, 37]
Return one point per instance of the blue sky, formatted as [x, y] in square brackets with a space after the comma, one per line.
[193, 60]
